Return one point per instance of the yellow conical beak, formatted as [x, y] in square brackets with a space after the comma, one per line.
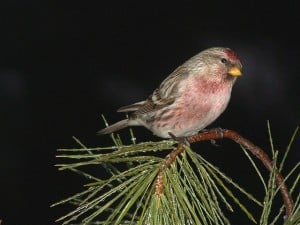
[235, 71]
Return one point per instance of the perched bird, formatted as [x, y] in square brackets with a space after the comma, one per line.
[189, 99]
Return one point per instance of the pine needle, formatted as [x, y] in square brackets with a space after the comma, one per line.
[256, 169]
[288, 148]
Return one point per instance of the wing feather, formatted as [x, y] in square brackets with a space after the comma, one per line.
[132, 107]
[169, 87]
[162, 97]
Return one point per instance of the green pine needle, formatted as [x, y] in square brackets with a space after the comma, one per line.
[288, 148]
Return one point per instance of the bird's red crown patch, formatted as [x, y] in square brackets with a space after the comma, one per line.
[231, 54]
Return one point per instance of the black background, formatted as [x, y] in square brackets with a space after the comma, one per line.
[64, 63]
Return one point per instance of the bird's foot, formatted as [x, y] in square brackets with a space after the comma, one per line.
[218, 130]
[214, 143]
[181, 140]
[215, 129]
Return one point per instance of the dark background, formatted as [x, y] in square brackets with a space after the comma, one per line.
[63, 63]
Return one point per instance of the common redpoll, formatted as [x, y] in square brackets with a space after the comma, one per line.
[189, 99]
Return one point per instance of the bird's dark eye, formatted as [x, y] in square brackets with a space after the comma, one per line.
[223, 60]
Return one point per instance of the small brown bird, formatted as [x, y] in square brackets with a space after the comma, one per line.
[189, 99]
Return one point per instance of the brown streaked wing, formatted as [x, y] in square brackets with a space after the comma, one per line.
[163, 96]
[168, 88]
[151, 106]
[132, 107]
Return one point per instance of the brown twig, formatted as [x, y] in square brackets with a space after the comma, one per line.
[170, 158]
[230, 134]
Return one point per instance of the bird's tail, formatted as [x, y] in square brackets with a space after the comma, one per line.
[114, 127]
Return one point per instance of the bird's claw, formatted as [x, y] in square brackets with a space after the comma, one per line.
[214, 143]
[217, 130]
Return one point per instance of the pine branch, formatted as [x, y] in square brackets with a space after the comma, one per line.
[183, 188]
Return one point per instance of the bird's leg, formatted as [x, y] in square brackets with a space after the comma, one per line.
[217, 130]
[181, 140]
